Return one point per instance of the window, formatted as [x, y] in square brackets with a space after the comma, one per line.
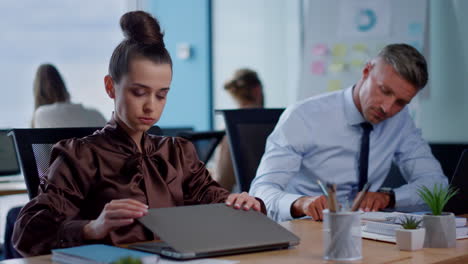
[78, 37]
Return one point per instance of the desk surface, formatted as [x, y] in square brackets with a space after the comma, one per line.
[310, 251]
[7, 188]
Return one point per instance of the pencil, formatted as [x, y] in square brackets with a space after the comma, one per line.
[359, 197]
[332, 202]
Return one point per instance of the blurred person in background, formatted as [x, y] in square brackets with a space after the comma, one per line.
[247, 91]
[52, 105]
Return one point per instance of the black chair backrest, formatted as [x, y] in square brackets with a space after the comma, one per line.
[175, 131]
[34, 145]
[247, 131]
[447, 154]
[458, 204]
[205, 142]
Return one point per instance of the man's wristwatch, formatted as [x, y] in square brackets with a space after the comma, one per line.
[391, 193]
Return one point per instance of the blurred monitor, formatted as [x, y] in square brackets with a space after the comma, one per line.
[9, 167]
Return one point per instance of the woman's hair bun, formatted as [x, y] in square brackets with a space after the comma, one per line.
[141, 27]
[230, 85]
[243, 79]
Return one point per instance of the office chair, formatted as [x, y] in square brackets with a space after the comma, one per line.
[175, 131]
[447, 154]
[247, 131]
[205, 142]
[34, 145]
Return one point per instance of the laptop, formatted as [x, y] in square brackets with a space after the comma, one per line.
[211, 230]
[9, 166]
[458, 204]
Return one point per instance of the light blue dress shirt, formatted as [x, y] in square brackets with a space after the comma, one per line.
[320, 138]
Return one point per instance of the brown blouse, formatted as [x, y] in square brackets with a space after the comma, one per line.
[89, 172]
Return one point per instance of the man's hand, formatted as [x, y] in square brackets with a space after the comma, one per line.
[311, 206]
[115, 214]
[374, 201]
[244, 201]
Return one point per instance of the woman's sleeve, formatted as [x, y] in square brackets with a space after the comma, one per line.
[199, 187]
[52, 219]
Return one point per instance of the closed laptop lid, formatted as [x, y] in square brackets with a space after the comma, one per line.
[215, 227]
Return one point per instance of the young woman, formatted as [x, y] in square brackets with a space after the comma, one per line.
[98, 185]
[52, 106]
[247, 90]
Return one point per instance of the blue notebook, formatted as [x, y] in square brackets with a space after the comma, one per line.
[98, 253]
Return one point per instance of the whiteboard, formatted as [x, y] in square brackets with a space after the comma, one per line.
[340, 36]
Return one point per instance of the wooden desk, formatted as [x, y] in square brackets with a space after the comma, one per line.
[310, 251]
[7, 188]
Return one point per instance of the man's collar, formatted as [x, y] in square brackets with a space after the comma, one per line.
[353, 116]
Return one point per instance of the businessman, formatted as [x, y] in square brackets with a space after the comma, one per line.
[350, 138]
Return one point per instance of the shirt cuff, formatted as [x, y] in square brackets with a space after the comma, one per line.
[405, 199]
[262, 205]
[285, 204]
[71, 233]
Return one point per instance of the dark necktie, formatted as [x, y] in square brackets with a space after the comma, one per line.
[364, 156]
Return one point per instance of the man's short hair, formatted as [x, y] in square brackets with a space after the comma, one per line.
[408, 62]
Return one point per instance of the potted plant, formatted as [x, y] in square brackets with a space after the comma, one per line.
[440, 226]
[410, 237]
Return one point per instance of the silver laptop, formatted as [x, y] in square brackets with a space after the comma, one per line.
[212, 230]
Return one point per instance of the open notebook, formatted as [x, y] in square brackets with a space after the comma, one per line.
[382, 225]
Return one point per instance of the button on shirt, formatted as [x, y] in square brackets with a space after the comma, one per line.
[319, 139]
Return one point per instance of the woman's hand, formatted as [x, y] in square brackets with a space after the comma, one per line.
[244, 200]
[115, 214]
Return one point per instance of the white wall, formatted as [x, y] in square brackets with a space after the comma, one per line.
[444, 115]
[263, 35]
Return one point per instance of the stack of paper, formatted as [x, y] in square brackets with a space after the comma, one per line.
[382, 225]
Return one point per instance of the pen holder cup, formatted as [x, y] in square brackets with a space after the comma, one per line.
[342, 236]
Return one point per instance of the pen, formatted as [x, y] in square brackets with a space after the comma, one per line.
[359, 197]
[324, 191]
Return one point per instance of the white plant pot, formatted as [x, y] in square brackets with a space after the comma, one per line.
[440, 230]
[410, 239]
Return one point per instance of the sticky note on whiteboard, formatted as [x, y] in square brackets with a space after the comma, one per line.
[337, 67]
[320, 49]
[334, 85]
[360, 47]
[356, 64]
[339, 50]
[317, 68]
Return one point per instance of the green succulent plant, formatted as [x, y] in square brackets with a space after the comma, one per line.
[127, 260]
[410, 222]
[437, 198]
